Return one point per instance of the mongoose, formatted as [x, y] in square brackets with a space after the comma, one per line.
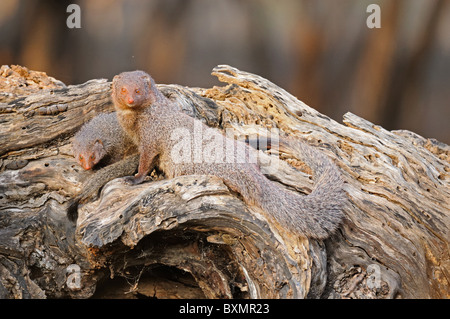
[159, 128]
[101, 138]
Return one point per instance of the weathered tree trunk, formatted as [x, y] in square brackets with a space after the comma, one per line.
[193, 231]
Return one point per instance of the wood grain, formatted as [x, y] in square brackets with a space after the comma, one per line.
[394, 242]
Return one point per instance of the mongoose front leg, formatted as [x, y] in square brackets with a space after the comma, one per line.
[147, 162]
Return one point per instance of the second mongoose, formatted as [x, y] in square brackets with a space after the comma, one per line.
[159, 128]
[102, 140]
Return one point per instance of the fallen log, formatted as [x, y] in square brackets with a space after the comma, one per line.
[137, 241]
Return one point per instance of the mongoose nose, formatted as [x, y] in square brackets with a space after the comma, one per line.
[130, 100]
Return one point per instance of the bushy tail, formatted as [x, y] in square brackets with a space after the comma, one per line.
[316, 215]
[92, 186]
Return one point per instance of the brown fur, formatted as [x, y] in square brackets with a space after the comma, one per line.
[101, 138]
[151, 119]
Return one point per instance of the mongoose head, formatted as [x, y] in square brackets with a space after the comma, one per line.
[134, 90]
[88, 157]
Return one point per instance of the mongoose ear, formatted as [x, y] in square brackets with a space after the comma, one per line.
[113, 83]
[147, 80]
[98, 142]
[116, 79]
[98, 150]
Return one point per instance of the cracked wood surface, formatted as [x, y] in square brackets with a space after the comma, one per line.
[394, 241]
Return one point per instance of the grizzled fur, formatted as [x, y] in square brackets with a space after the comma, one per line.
[101, 138]
[150, 119]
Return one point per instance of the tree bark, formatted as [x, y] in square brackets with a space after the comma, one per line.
[138, 240]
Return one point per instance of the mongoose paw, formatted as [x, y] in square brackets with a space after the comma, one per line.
[129, 180]
[133, 180]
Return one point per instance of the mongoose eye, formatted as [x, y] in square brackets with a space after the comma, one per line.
[80, 157]
[92, 157]
[137, 91]
[123, 90]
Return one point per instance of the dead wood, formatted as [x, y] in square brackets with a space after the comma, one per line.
[193, 230]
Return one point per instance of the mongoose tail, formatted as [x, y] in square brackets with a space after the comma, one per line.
[316, 215]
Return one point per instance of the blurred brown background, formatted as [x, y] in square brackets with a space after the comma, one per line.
[319, 50]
